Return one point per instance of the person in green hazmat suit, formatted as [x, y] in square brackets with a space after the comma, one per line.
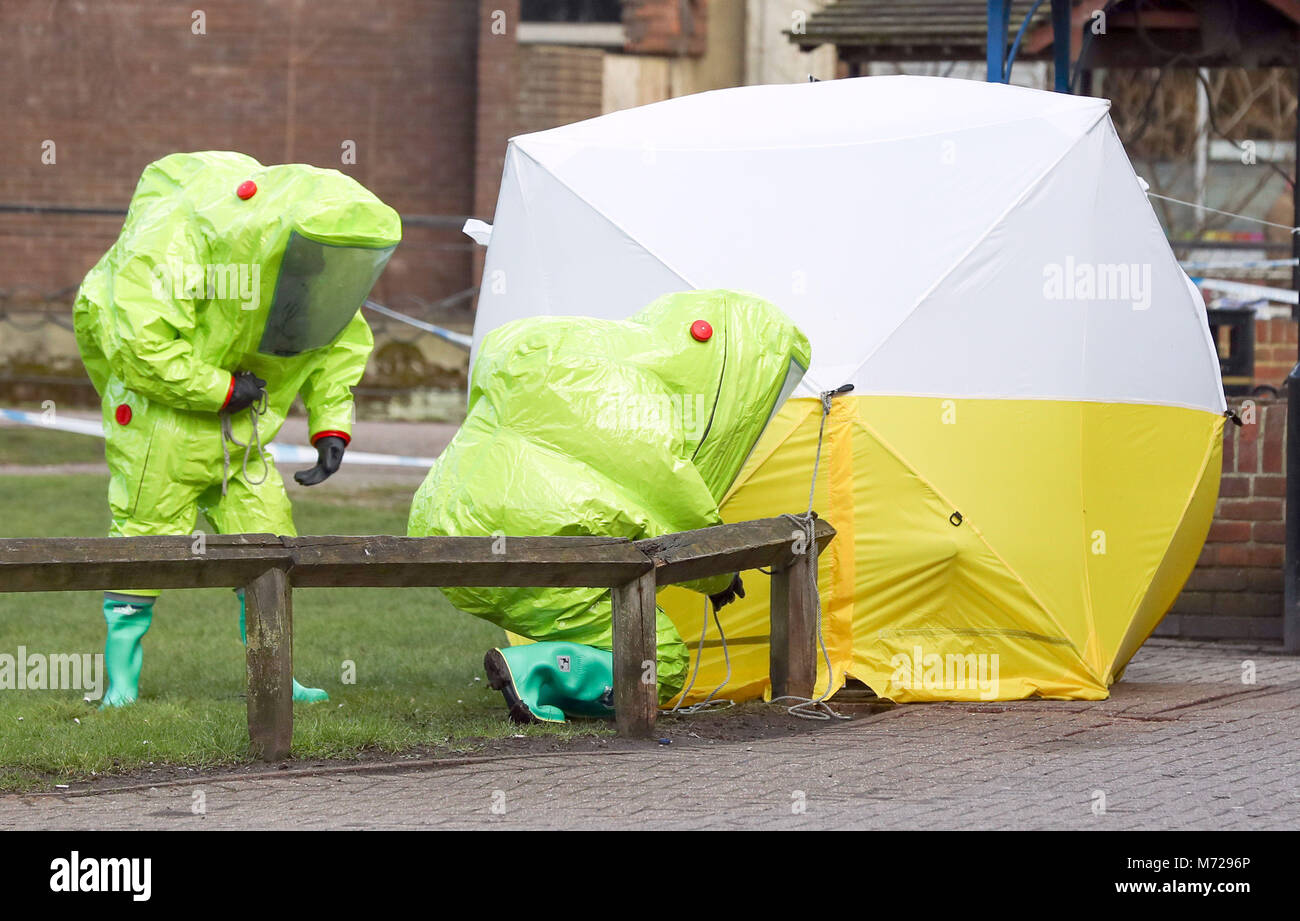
[580, 426]
[232, 289]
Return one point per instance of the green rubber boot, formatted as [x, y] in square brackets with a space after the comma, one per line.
[128, 621]
[302, 695]
[545, 682]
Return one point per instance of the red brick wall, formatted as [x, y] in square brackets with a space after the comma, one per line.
[1275, 350]
[1236, 588]
[498, 91]
[523, 88]
[671, 27]
[118, 83]
[558, 85]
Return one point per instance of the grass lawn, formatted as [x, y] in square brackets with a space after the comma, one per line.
[418, 662]
[22, 444]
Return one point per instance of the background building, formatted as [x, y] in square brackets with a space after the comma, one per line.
[414, 98]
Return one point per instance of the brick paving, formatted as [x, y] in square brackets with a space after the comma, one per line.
[1181, 743]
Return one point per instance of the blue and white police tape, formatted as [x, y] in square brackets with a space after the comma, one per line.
[290, 454]
[447, 335]
[1247, 292]
[1247, 264]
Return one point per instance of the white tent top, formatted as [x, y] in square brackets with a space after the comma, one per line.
[931, 236]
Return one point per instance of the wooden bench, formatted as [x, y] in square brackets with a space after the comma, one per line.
[269, 567]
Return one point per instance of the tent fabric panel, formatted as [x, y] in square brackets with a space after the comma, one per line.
[1012, 469]
[976, 293]
[828, 113]
[776, 221]
[552, 254]
[1159, 490]
[938, 584]
[1142, 466]
[1073, 295]
[1160, 351]
[899, 575]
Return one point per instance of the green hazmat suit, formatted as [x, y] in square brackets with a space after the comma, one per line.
[581, 426]
[225, 265]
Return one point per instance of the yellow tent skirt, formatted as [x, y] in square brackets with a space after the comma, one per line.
[986, 549]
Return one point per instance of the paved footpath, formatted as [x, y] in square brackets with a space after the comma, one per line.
[1182, 743]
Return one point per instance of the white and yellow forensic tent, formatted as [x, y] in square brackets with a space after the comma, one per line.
[1026, 468]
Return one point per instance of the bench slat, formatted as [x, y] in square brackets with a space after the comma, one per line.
[727, 548]
[454, 561]
[270, 567]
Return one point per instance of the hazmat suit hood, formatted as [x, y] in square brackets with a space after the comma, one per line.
[281, 256]
[735, 372]
[634, 428]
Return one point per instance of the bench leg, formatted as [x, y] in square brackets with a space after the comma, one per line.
[636, 686]
[793, 663]
[268, 601]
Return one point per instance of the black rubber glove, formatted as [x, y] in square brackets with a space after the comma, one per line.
[329, 454]
[248, 390]
[729, 594]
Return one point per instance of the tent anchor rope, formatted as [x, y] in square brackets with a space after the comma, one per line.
[816, 708]
[1243, 217]
[709, 703]
[809, 708]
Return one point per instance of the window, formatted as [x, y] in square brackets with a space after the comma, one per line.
[571, 10]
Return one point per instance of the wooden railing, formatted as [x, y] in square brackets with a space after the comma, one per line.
[269, 567]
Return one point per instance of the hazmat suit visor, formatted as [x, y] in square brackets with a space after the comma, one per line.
[319, 290]
[792, 378]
